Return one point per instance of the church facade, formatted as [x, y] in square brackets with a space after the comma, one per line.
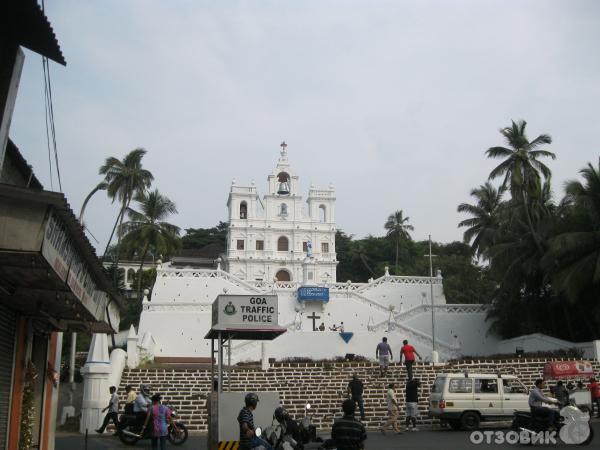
[272, 239]
[281, 244]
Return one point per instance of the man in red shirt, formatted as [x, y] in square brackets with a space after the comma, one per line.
[409, 352]
[594, 388]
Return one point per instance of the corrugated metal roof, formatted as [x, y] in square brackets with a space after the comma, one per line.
[24, 22]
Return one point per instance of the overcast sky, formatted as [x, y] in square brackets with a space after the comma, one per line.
[392, 102]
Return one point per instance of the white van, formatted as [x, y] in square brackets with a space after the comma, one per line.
[463, 400]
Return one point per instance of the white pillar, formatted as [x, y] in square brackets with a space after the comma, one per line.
[133, 359]
[95, 384]
[264, 357]
[435, 357]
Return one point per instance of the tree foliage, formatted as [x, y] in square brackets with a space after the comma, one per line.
[543, 256]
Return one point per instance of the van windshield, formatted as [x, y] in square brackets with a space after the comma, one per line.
[438, 385]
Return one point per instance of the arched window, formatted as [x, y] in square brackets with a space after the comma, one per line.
[243, 210]
[283, 210]
[130, 275]
[322, 214]
[283, 244]
[283, 275]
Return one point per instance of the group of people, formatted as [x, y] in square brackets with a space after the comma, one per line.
[348, 433]
[145, 407]
[384, 354]
[562, 392]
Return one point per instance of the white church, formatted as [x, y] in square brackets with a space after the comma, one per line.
[281, 244]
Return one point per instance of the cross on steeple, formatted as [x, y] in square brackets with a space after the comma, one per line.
[283, 151]
[314, 317]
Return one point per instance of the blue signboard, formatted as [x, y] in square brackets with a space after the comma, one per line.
[313, 293]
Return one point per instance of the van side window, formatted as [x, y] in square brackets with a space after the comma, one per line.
[460, 386]
[513, 387]
[486, 385]
[438, 385]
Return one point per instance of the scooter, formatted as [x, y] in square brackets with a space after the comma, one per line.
[571, 424]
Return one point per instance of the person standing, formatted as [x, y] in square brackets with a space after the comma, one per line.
[408, 352]
[355, 390]
[161, 418]
[561, 393]
[347, 432]
[594, 389]
[383, 352]
[393, 410]
[412, 403]
[113, 411]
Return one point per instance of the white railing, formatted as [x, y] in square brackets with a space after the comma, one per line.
[206, 273]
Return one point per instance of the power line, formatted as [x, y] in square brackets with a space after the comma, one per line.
[50, 128]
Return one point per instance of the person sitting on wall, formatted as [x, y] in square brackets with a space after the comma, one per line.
[322, 327]
[333, 327]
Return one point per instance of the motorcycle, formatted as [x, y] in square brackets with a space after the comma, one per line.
[130, 430]
[308, 431]
[576, 424]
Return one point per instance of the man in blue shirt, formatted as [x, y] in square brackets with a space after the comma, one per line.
[537, 400]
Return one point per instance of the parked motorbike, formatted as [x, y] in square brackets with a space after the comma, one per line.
[569, 416]
[131, 428]
[308, 431]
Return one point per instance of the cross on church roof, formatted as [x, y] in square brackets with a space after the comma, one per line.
[283, 145]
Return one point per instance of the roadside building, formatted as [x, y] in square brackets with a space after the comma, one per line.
[50, 278]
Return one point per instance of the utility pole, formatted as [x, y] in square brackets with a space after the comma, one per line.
[433, 346]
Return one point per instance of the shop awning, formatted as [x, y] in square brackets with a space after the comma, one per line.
[568, 369]
[48, 268]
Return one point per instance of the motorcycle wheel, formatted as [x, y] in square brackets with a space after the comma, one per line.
[590, 437]
[126, 439]
[178, 438]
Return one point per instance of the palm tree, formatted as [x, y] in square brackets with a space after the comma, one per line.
[521, 167]
[147, 229]
[398, 227]
[125, 179]
[574, 254]
[102, 186]
[484, 223]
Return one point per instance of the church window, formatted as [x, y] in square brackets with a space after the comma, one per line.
[240, 244]
[243, 210]
[322, 214]
[282, 244]
[283, 211]
[304, 247]
[260, 245]
[324, 247]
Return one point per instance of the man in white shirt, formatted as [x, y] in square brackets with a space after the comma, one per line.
[393, 408]
[113, 411]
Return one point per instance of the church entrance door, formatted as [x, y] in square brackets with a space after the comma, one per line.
[283, 275]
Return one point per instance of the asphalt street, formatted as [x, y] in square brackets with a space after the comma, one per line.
[425, 439]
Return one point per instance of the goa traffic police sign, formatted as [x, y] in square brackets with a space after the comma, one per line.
[244, 311]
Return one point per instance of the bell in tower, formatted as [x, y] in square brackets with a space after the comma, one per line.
[284, 184]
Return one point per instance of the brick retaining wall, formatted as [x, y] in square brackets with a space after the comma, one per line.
[319, 384]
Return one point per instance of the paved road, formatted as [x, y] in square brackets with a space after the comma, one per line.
[430, 439]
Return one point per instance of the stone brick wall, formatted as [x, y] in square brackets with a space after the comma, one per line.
[320, 384]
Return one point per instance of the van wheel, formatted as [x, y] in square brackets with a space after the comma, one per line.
[470, 421]
[454, 424]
